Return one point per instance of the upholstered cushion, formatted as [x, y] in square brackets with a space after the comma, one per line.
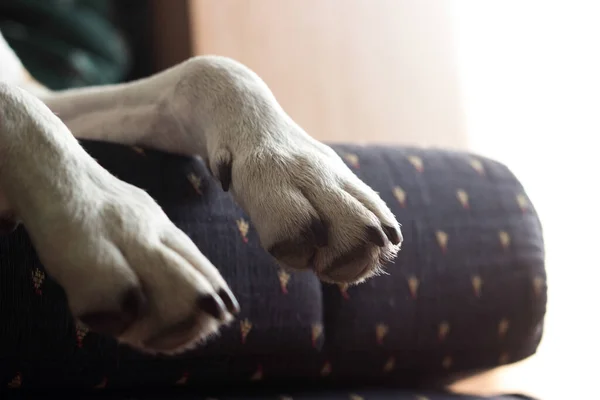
[467, 289]
[466, 292]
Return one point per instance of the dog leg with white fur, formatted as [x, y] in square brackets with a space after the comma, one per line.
[126, 269]
[310, 210]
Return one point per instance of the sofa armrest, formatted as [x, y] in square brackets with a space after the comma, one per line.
[468, 289]
[466, 292]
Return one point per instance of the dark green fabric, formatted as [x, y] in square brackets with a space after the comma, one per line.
[65, 44]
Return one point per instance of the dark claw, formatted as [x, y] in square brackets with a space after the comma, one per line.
[230, 301]
[114, 323]
[224, 171]
[134, 303]
[319, 231]
[393, 234]
[213, 306]
[375, 235]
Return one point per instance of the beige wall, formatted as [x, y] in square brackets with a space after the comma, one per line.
[346, 70]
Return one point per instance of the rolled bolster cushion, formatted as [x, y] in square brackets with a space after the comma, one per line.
[466, 292]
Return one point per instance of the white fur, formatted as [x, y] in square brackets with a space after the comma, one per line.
[12, 70]
[98, 236]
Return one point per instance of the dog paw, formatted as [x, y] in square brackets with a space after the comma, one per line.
[127, 271]
[309, 209]
[130, 273]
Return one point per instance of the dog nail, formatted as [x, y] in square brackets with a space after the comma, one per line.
[319, 231]
[213, 306]
[375, 235]
[230, 301]
[224, 171]
[393, 234]
[134, 303]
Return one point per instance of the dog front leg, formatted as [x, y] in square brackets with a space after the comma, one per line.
[126, 269]
[309, 209]
[144, 112]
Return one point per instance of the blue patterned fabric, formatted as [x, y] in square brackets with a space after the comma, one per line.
[467, 292]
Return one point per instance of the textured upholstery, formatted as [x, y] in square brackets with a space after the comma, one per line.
[467, 292]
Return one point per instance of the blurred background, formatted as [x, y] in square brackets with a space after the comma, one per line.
[518, 81]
